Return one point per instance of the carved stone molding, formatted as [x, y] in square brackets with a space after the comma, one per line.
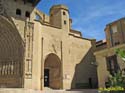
[28, 49]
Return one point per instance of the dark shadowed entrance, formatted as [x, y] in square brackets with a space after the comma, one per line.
[52, 72]
[46, 77]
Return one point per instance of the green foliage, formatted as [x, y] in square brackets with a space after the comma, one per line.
[118, 79]
[120, 53]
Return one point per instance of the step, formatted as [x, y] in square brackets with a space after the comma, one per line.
[21, 90]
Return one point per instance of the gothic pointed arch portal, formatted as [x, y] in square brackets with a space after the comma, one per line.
[11, 55]
[52, 72]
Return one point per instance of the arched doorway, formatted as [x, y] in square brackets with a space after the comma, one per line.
[11, 55]
[52, 72]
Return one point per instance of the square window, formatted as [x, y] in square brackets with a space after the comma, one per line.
[27, 14]
[18, 12]
[114, 29]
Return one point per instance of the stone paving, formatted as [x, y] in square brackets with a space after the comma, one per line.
[7, 90]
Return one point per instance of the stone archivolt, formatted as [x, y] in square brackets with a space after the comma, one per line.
[11, 52]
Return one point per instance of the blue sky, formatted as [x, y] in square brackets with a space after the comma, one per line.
[89, 16]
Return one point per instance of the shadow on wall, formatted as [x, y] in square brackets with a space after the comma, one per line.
[85, 76]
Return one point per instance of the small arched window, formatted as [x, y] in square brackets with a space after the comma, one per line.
[65, 22]
[18, 12]
[27, 14]
[64, 13]
[37, 17]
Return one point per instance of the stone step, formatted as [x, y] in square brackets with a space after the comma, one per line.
[17, 90]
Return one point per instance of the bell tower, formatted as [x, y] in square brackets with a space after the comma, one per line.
[59, 17]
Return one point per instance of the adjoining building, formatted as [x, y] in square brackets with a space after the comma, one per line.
[37, 50]
[107, 60]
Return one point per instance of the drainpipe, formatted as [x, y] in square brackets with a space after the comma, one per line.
[122, 32]
[111, 39]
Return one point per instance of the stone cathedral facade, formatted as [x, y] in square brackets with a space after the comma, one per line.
[38, 51]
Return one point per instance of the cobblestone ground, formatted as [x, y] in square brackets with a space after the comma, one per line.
[5, 90]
